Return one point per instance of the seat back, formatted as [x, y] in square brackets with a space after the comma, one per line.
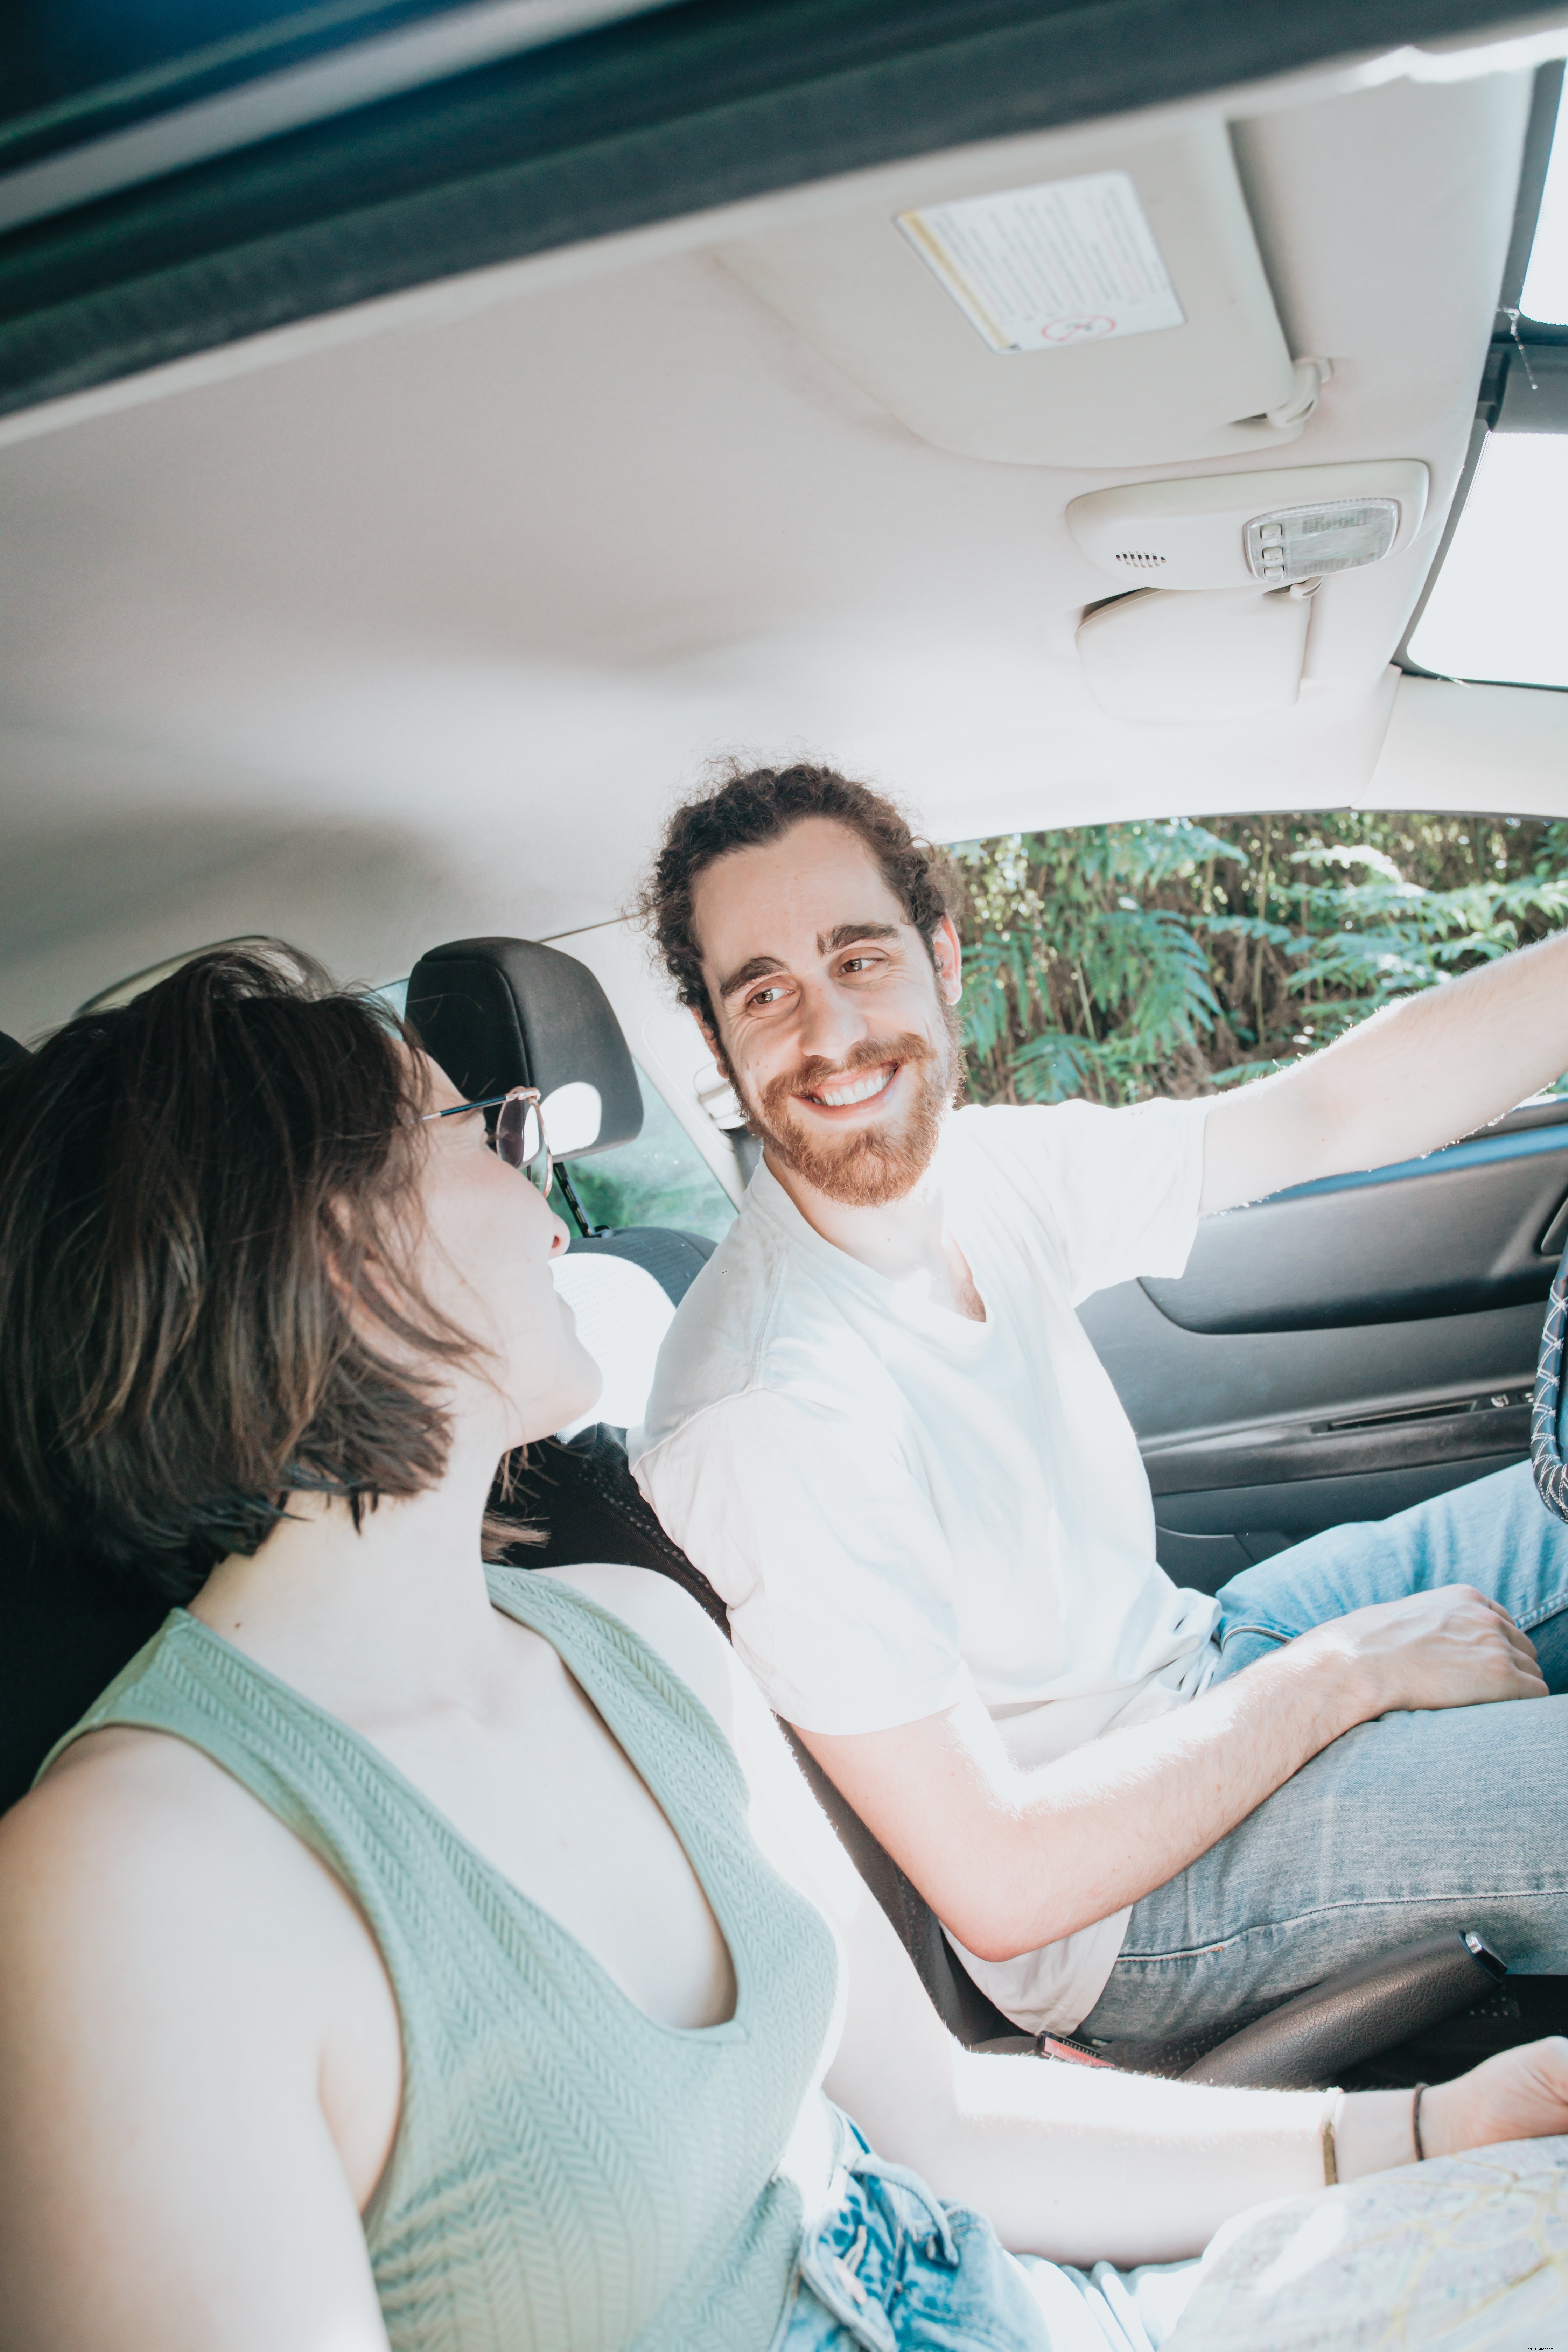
[498, 1012]
[63, 1636]
[580, 1496]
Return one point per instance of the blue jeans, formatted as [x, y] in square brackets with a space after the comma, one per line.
[1407, 1825]
[1400, 2257]
[894, 2270]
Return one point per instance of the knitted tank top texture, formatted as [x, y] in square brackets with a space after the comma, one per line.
[568, 2175]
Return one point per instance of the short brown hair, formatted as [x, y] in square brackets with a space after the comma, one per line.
[204, 1205]
[753, 805]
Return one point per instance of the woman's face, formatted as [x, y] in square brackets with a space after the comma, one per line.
[484, 1259]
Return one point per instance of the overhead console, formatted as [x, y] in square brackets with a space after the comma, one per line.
[1096, 299]
[1257, 530]
[1237, 559]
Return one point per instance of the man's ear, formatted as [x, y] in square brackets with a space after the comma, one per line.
[709, 1039]
[948, 958]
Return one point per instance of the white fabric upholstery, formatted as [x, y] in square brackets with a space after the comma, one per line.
[622, 1316]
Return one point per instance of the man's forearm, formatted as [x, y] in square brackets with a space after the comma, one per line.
[1121, 1816]
[1011, 1861]
[1432, 1067]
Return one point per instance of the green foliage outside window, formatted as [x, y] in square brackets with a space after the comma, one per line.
[1170, 957]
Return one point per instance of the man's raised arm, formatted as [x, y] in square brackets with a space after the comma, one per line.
[1011, 1861]
[1414, 1077]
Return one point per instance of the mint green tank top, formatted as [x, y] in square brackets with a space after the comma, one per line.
[567, 2175]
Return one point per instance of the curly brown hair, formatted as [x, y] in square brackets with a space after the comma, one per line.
[753, 805]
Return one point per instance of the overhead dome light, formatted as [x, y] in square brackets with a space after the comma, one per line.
[1268, 530]
[1305, 543]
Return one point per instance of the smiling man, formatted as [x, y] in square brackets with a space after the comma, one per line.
[881, 1431]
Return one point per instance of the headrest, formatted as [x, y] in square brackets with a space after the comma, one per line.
[622, 1316]
[508, 1012]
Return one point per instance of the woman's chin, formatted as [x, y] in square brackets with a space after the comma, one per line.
[567, 1404]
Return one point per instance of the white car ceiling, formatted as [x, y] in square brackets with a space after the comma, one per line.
[408, 624]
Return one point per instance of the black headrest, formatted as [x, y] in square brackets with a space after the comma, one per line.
[508, 1012]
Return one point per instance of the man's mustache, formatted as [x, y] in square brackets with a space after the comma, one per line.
[817, 1071]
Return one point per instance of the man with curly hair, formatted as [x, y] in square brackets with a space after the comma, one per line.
[879, 1429]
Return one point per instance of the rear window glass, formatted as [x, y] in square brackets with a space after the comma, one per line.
[1177, 957]
[661, 1178]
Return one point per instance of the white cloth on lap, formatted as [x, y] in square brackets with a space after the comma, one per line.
[1469, 2253]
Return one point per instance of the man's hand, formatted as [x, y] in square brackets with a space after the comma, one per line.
[1519, 2095]
[1451, 1647]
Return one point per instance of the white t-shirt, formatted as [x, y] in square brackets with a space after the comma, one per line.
[901, 1506]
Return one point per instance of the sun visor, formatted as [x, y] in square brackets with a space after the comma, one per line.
[1164, 657]
[1066, 300]
[501, 1012]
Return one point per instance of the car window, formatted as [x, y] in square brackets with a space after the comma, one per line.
[1544, 295]
[661, 1178]
[1173, 957]
[394, 994]
[1493, 610]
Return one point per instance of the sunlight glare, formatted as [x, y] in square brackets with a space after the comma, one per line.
[1545, 294]
[1497, 610]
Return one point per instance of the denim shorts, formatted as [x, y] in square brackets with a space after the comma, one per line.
[894, 2270]
[1466, 2254]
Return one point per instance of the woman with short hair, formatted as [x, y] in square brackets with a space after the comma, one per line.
[404, 1951]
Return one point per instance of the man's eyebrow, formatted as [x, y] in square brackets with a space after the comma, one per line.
[755, 969]
[844, 935]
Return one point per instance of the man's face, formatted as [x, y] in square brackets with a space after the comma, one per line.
[838, 1033]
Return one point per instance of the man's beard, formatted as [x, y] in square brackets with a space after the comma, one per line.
[871, 1166]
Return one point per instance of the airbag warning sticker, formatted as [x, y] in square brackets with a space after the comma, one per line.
[1069, 261]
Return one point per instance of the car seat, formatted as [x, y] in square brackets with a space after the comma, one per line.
[63, 1635]
[539, 1018]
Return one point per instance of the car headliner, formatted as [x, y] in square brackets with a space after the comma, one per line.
[408, 622]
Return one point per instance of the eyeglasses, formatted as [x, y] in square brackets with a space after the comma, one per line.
[517, 1135]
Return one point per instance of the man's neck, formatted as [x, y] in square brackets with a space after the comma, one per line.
[905, 1240]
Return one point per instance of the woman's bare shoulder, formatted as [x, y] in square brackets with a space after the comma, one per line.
[173, 1970]
[135, 1843]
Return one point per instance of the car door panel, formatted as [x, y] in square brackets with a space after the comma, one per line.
[1477, 1225]
[1260, 1421]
